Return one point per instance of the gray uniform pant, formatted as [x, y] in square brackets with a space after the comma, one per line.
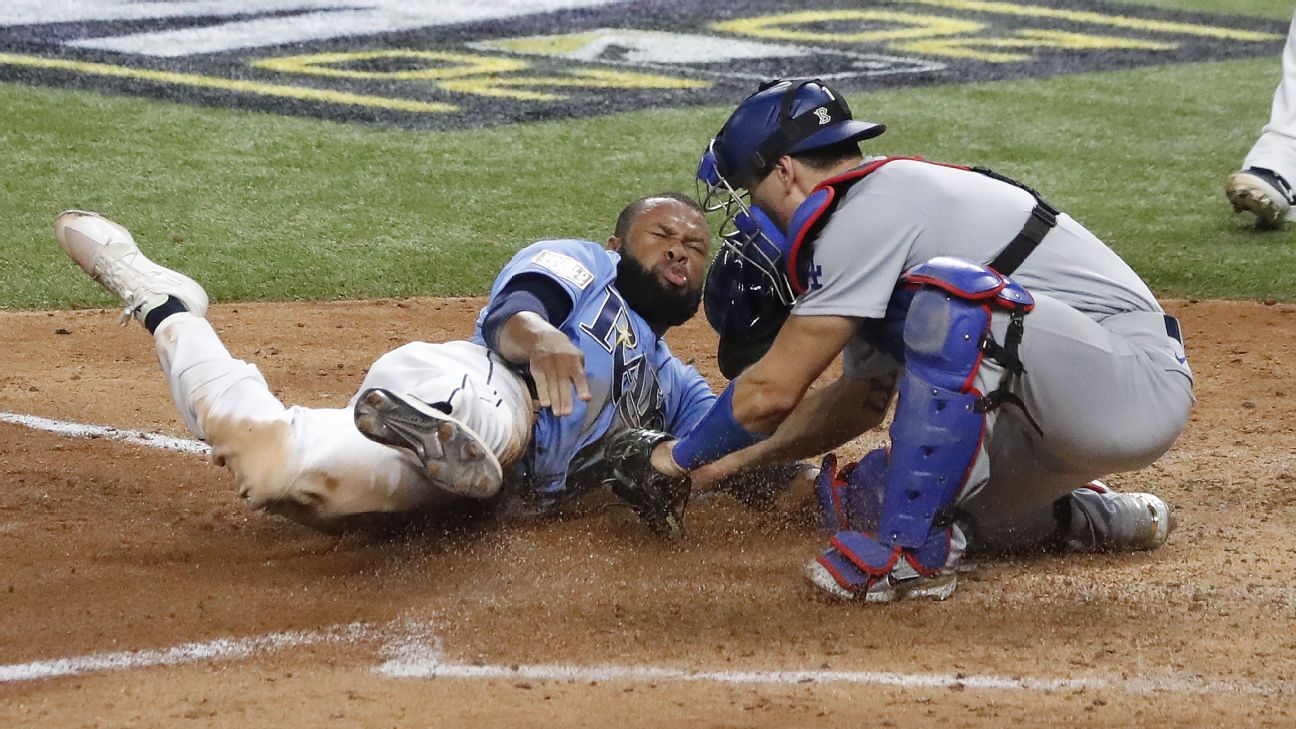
[1108, 396]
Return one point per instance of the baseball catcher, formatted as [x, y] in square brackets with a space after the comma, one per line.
[1024, 357]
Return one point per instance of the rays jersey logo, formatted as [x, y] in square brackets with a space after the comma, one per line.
[636, 392]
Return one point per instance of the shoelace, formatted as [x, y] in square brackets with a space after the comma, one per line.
[117, 275]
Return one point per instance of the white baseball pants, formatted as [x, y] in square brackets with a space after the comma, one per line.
[1276, 148]
[311, 464]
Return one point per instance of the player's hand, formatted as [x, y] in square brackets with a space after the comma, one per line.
[663, 459]
[558, 368]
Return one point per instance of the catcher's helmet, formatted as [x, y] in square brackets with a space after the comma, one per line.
[784, 117]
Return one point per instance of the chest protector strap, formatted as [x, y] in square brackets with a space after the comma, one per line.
[814, 212]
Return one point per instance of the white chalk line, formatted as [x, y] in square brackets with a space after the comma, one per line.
[85, 430]
[417, 654]
[220, 649]
[661, 674]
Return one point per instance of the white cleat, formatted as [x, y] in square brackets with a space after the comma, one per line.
[1104, 519]
[1260, 192]
[454, 457]
[902, 583]
[108, 252]
[1155, 523]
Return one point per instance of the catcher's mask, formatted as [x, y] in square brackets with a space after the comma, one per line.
[782, 117]
[744, 308]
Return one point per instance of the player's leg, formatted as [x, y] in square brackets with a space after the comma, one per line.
[461, 411]
[1107, 397]
[1264, 184]
[310, 465]
[937, 450]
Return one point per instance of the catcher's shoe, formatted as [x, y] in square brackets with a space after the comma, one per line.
[107, 252]
[1109, 520]
[1262, 192]
[454, 457]
[901, 583]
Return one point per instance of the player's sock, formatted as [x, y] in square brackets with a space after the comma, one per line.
[159, 313]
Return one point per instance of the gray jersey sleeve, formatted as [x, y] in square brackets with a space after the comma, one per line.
[860, 255]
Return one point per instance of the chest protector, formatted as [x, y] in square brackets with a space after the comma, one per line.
[814, 212]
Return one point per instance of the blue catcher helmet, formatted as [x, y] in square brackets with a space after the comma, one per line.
[782, 117]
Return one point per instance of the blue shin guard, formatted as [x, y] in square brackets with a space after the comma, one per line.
[851, 498]
[937, 432]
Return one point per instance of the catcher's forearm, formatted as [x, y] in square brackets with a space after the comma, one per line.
[824, 420]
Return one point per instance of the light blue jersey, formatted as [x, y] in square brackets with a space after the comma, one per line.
[634, 380]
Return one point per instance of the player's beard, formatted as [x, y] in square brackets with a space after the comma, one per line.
[660, 305]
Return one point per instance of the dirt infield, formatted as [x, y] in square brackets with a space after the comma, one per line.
[126, 563]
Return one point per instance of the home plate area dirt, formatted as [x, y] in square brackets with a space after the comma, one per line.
[138, 591]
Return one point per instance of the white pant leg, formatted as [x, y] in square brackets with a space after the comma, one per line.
[309, 464]
[1276, 148]
[482, 392]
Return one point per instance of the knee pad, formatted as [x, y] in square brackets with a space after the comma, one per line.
[939, 420]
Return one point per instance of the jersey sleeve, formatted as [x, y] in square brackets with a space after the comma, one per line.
[575, 265]
[860, 255]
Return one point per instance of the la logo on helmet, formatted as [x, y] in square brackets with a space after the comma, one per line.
[823, 115]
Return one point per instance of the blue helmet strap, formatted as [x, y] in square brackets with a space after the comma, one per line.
[791, 130]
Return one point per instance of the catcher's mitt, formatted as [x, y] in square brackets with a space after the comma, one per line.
[657, 498]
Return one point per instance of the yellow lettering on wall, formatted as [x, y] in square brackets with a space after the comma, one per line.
[1115, 21]
[452, 65]
[515, 87]
[793, 26]
[256, 88]
[463, 73]
[978, 48]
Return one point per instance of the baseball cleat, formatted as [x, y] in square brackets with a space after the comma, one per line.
[1262, 192]
[902, 583]
[108, 252]
[454, 457]
[1119, 521]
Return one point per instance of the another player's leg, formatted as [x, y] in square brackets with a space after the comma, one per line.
[310, 465]
[1262, 192]
[1263, 186]
[462, 413]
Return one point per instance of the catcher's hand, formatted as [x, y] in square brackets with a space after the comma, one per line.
[659, 499]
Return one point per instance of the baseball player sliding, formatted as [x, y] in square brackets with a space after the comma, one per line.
[1028, 357]
[567, 350]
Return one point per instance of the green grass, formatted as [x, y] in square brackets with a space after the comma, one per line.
[257, 206]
